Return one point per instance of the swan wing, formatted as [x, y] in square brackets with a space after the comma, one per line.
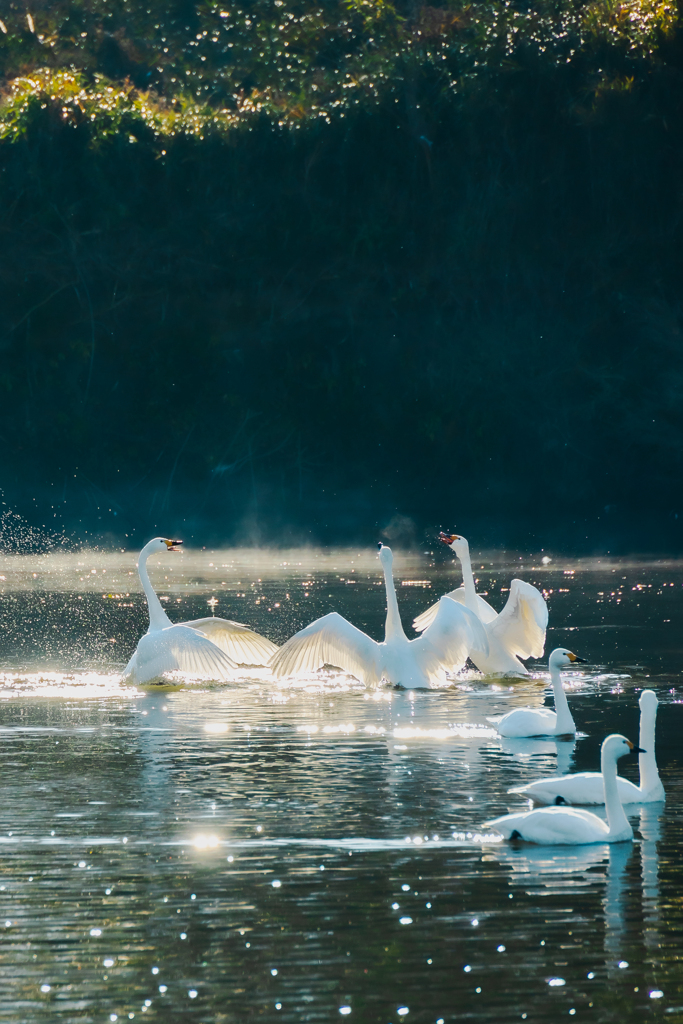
[484, 610]
[552, 825]
[582, 788]
[521, 625]
[330, 640]
[526, 722]
[239, 642]
[178, 649]
[447, 641]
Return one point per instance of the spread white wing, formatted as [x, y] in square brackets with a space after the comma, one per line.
[446, 643]
[239, 642]
[178, 649]
[484, 610]
[521, 625]
[330, 640]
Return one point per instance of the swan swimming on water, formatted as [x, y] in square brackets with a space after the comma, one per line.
[209, 647]
[518, 631]
[588, 788]
[541, 721]
[568, 825]
[331, 640]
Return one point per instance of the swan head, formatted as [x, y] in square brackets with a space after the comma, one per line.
[455, 541]
[162, 544]
[385, 556]
[561, 658]
[648, 700]
[616, 746]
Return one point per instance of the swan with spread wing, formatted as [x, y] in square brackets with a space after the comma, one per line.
[211, 648]
[518, 631]
[332, 640]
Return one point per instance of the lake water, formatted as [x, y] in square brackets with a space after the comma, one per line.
[313, 851]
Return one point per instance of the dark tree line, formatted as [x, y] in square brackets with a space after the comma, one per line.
[454, 302]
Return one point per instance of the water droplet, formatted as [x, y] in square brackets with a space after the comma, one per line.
[345, 1010]
[623, 964]
[108, 962]
[402, 1011]
[276, 883]
[405, 920]
[556, 982]
[192, 993]
[95, 932]
[501, 949]
[44, 988]
[656, 993]
[273, 971]
[163, 988]
[467, 968]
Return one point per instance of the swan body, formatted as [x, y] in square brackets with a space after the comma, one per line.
[211, 648]
[331, 640]
[588, 787]
[571, 826]
[518, 631]
[541, 721]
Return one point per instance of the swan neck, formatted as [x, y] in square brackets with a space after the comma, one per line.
[647, 762]
[393, 627]
[468, 581]
[565, 722]
[158, 619]
[616, 818]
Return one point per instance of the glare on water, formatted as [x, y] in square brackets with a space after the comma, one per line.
[310, 850]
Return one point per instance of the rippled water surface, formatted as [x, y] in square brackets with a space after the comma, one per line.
[314, 851]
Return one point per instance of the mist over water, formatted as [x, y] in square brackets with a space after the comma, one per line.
[291, 850]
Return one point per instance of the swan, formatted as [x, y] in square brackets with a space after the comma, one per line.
[540, 721]
[569, 826]
[331, 640]
[518, 631]
[587, 787]
[208, 647]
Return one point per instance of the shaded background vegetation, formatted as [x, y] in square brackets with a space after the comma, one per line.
[291, 271]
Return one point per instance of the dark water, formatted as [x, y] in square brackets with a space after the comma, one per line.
[314, 851]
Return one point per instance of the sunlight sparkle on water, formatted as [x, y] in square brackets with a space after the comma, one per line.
[204, 842]
[77, 685]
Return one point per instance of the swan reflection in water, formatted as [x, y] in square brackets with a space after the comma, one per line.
[523, 746]
[552, 867]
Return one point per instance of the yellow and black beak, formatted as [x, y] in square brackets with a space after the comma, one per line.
[634, 749]
[448, 538]
[172, 545]
[575, 657]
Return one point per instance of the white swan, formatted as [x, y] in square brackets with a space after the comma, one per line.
[587, 787]
[569, 826]
[518, 631]
[210, 647]
[541, 721]
[331, 640]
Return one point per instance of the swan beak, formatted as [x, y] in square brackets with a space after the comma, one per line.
[172, 545]
[635, 749]
[575, 657]
[448, 538]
